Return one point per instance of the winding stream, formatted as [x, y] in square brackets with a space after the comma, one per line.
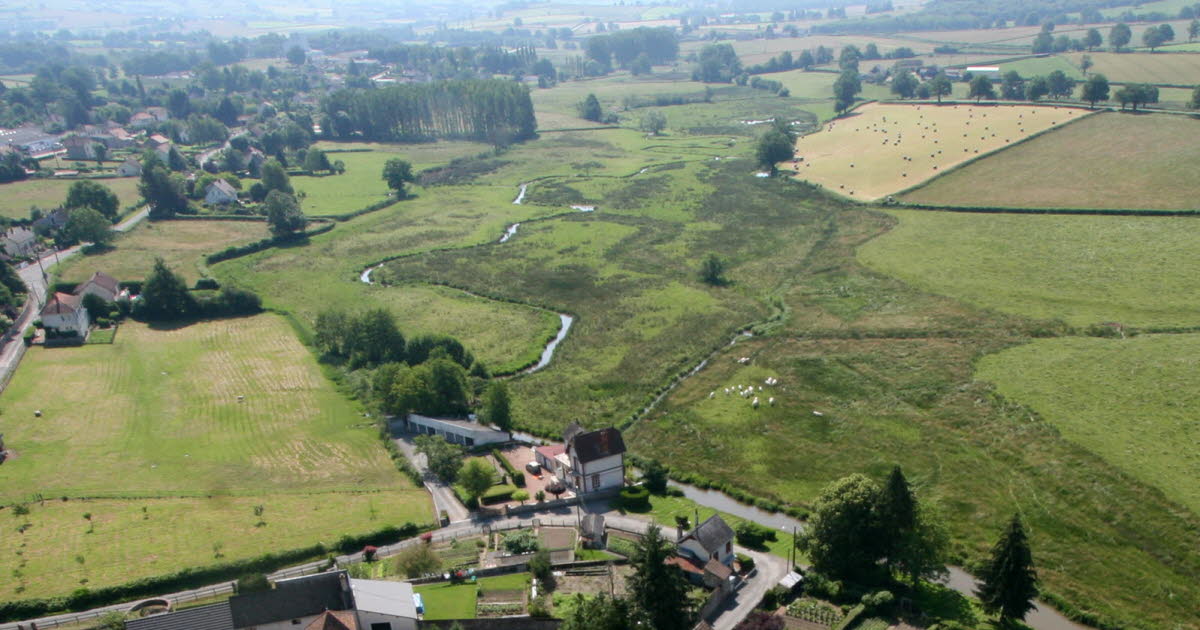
[520, 196]
[548, 351]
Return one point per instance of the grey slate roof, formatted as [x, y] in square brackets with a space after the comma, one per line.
[713, 534]
[292, 599]
[210, 617]
[595, 445]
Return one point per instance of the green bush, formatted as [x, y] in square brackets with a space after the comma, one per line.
[753, 535]
[635, 498]
[518, 477]
[522, 541]
[745, 561]
[497, 494]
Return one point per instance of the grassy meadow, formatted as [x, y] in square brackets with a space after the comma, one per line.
[881, 149]
[1131, 401]
[1082, 270]
[1145, 67]
[17, 198]
[130, 422]
[1045, 172]
[181, 244]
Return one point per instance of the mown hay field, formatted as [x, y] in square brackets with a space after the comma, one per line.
[154, 420]
[181, 244]
[1131, 401]
[1082, 270]
[1107, 161]
[880, 149]
[17, 198]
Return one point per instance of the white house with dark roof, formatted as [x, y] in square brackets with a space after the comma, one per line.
[64, 312]
[220, 193]
[130, 168]
[710, 540]
[592, 461]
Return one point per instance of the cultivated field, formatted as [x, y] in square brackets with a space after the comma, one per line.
[17, 198]
[1079, 269]
[133, 421]
[1142, 162]
[1131, 401]
[181, 244]
[881, 149]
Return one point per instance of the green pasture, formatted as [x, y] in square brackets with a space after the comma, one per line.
[864, 405]
[1082, 270]
[1144, 67]
[181, 244]
[17, 198]
[1148, 163]
[1043, 66]
[131, 538]
[131, 422]
[360, 186]
[1131, 401]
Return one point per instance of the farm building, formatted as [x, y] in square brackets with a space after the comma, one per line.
[991, 72]
[325, 601]
[588, 461]
[101, 285]
[65, 313]
[465, 432]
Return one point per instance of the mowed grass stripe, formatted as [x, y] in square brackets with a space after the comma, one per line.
[1083, 270]
[157, 412]
[1131, 401]
[1107, 161]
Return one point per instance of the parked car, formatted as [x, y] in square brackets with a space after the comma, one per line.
[534, 469]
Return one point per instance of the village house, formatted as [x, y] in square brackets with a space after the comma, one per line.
[18, 242]
[160, 114]
[587, 461]
[220, 193]
[51, 222]
[325, 601]
[142, 120]
[65, 314]
[80, 147]
[465, 432]
[705, 554]
[130, 168]
[100, 285]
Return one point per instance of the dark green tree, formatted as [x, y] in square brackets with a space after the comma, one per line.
[1008, 582]
[274, 177]
[397, 173]
[1037, 88]
[86, 193]
[1093, 39]
[712, 270]
[1195, 102]
[842, 535]
[805, 61]
[163, 190]
[600, 613]
[896, 513]
[1119, 36]
[905, 84]
[1061, 85]
[658, 590]
[165, 295]
[296, 56]
[654, 476]
[284, 216]
[981, 88]
[924, 549]
[1043, 43]
[316, 160]
[1193, 29]
[845, 88]
[443, 458]
[497, 407]
[476, 477]
[1012, 86]
[589, 109]
[374, 339]
[1095, 89]
[1153, 38]
[89, 226]
[940, 86]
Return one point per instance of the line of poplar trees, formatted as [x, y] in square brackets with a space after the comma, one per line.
[485, 110]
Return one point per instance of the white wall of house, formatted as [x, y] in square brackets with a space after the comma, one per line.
[77, 321]
[693, 546]
[367, 619]
[600, 474]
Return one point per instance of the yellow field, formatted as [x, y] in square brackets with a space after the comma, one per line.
[881, 149]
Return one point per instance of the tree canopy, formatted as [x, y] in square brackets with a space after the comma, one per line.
[443, 458]
[397, 173]
[89, 226]
[86, 193]
[1008, 582]
[658, 590]
[284, 216]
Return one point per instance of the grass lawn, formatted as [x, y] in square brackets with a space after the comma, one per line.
[17, 198]
[457, 601]
[1042, 66]
[1045, 172]
[1080, 269]
[1132, 401]
[882, 149]
[1145, 67]
[181, 244]
[360, 186]
[664, 509]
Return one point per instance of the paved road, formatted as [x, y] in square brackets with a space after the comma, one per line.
[443, 497]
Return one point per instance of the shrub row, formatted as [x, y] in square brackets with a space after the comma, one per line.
[346, 216]
[635, 498]
[83, 599]
[237, 251]
[498, 494]
[753, 535]
[850, 618]
[517, 476]
[215, 217]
